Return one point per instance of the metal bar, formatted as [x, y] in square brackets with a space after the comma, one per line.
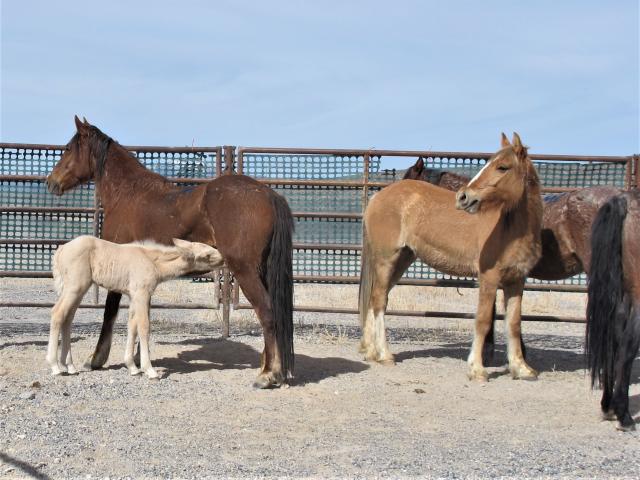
[427, 153]
[4, 208]
[226, 301]
[169, 306]
[327, 215]
[146, 148]
[228, 159]
[428, 313]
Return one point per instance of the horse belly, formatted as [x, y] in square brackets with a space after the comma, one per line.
[445, 262]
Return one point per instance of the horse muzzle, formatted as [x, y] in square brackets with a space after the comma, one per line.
[53, 186]
[467, 201]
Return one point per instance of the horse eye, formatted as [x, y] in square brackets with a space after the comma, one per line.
[503, 168]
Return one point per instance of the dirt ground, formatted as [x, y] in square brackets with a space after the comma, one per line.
[341, 416]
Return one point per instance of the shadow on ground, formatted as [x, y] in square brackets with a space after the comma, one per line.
[223, 354]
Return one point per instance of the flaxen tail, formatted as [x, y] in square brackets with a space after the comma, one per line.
[278, 278]
[608, 309]
[58, 281]
[366, 278]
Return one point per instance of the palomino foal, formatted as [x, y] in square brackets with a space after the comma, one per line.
[134, 269]
[489, 229]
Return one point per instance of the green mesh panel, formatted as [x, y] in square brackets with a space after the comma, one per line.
[68, 225]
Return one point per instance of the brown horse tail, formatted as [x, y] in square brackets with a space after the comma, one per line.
[608, 308]
[278, 277]
[366, 278]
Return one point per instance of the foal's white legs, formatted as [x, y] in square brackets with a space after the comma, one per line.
[139, 324]
[61, 319]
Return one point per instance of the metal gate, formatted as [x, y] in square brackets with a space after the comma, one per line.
[328, 191]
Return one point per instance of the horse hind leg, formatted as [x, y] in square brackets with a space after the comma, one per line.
[101, 353]
[628, 345]
[517, 364]
[65, 352]
[387, 274]
[61, 318]
[271, 372]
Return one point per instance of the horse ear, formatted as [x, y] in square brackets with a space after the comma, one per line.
[504, 141]
[78, 123]
[85, 121]
[419, 166]
[519, 148]
[181, 243]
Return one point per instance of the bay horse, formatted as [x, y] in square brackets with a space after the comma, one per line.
[489, 229]
[134, 269]
[250, 224]
[613, 307]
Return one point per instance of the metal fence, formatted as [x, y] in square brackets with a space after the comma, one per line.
[328, 191]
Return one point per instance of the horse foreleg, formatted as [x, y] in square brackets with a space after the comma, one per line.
[61, 314]
[132, 329]
[142, 318]
[517, 365]
[484, 318]
[99, 357]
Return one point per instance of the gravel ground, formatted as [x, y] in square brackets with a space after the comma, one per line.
[341, 417]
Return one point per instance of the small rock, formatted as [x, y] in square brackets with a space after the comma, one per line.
[36, 384]
[56, 460]
[3, 371]
[27, 395]
[419, 390]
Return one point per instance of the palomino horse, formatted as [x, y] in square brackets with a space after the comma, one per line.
[496, 237]
[246, 221]
[134, 269]
[613, 309]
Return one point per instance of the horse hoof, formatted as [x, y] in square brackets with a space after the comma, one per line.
[625, 428]
[266, 381]
[608, 416]
[72, 370]
[134, 371]
[528, 374]
[153, 375]
[387, 362]
[478, 375]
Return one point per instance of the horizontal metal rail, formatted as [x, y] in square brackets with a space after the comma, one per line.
[427, 313]
[176, 306]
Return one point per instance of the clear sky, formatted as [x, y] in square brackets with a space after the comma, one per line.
[442, 75]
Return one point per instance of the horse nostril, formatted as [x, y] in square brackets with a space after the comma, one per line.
[462, 198]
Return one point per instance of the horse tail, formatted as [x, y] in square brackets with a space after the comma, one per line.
[279, 280]
[366, 278]
[58, 281]
[607, 307]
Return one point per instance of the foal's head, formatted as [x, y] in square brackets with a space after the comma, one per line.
[202, 258]
[82, 159]
[502, 182]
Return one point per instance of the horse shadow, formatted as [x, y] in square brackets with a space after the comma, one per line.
[26, 468]
[225, 354]
[543, 352]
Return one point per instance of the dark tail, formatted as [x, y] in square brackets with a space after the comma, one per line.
[607, 308]
[279, 280]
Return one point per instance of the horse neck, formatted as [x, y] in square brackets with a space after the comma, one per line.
[169, 262]
[123, 175]
[523, 219]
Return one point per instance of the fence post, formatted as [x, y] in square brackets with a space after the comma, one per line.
[229, 158]
[96, 233]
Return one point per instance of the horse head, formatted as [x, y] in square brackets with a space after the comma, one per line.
[502, 181]
[79, 160]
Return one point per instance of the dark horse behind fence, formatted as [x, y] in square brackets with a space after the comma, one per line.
[250, 224]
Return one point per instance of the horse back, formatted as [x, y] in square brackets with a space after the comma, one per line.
[242, 215]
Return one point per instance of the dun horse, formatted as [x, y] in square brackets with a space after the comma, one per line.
[247, 222]
[132, 269]
[496, 237]
[613, 308]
